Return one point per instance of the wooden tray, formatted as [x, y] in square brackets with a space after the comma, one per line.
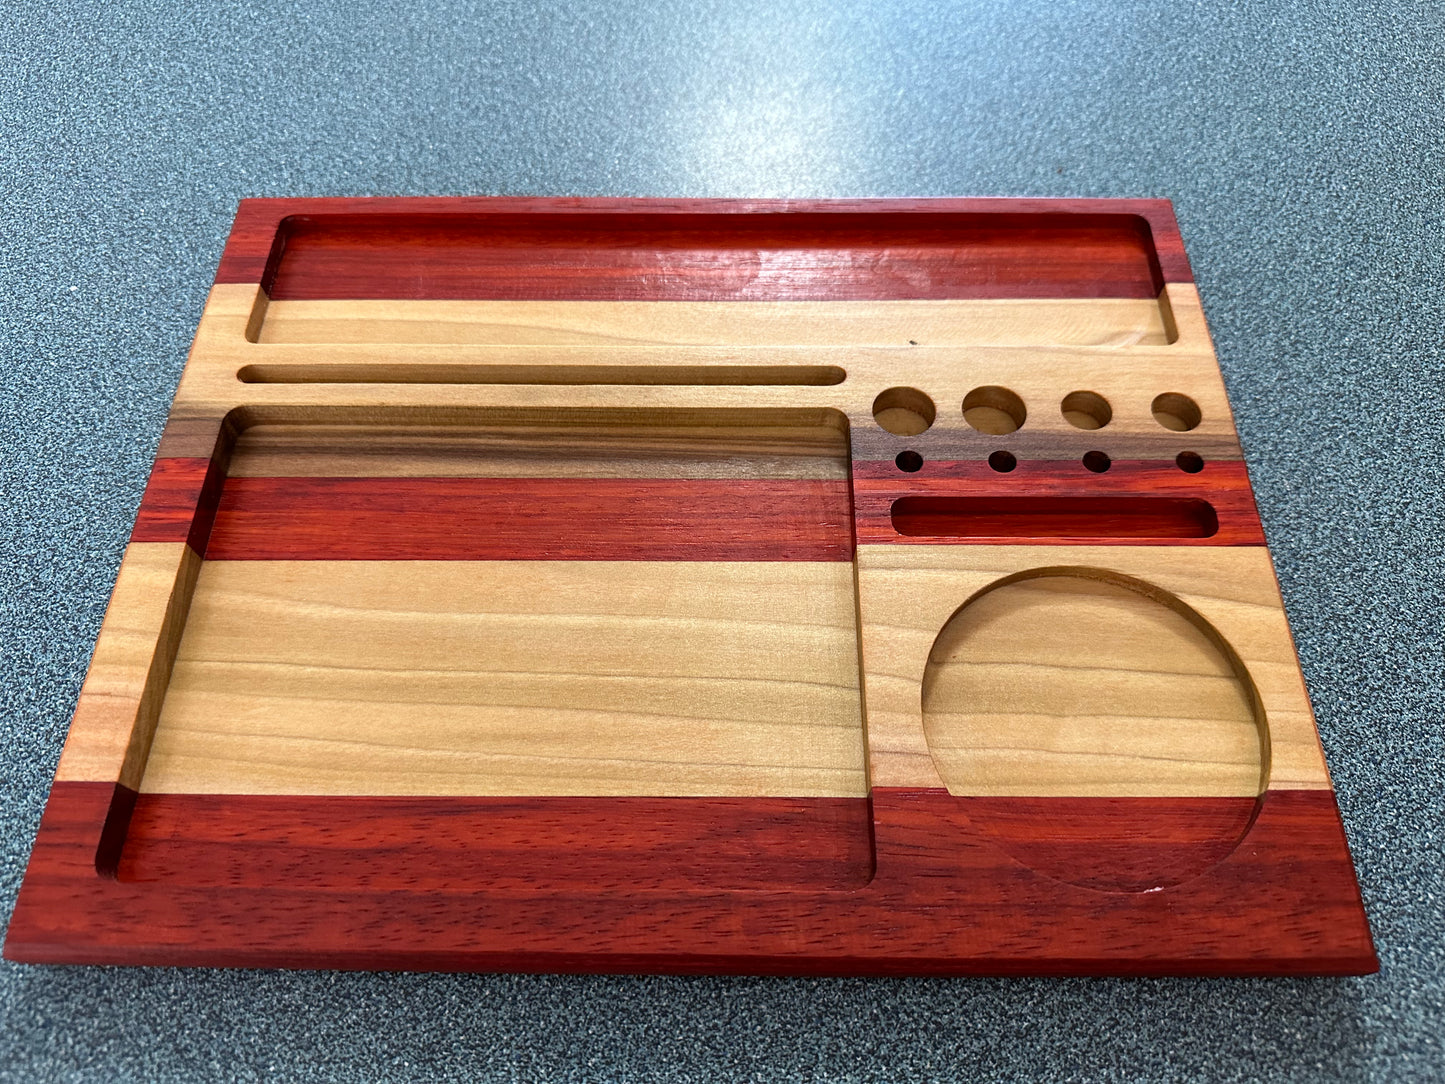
[863, 587]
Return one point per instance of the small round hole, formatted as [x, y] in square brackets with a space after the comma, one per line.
[1189, 462]
[1003, 462]
[994, 410]
[1097, 462]
[904, 412]
[909, 461]
[1175, 411]
[1086, 410]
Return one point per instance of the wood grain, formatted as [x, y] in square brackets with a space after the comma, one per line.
[523, 678]
[130, 670]
[619, 449]
[402, 383]
[179, 502]
[684, 724]
[1076, 684]
[908, 593]
[945, 900]
[511, 845]
[531, 519]
[1114, 322]
[250, 250]
[1055, 502]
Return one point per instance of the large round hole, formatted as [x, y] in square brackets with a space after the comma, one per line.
[994, 410]
[1176, 411]
[1099, 729]
[1086, 410]
[904, 412]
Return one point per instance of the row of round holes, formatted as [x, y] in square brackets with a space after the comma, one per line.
[906, 412]
[1098, 462]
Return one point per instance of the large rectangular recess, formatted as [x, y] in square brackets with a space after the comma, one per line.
[589, 629]
[799, 256]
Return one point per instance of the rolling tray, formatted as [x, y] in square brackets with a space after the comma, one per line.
[697, 586]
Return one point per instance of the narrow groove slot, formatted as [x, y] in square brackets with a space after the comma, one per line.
[1054, 517]
[630, 375]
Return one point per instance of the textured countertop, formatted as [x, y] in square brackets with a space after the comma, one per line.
[1303, 152]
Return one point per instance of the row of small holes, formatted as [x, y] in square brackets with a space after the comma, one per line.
[906, 412]
[1098, 462]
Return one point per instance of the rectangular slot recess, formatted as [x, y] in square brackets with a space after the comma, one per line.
[626, 375]
[1054, 517]
[834, 256]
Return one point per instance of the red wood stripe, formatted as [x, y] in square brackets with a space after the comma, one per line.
[1223, 485]
[1118, 844]
[179, 503]
[500, 844]
[520, 519]
[242, 884]
[704, 249]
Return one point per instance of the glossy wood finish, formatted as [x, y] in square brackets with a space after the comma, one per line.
[1042, 502]
[516, 519]
[538, 584]
[350, 905]
[535, 677]
[1102, 322]
[908, 594]
[603, 249]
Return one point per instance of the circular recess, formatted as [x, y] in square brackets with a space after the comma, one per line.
[1086, 410]
[904, 412]
[994, 410]
[1098, 728]
[1176, 411]
[909, 461]
[1189, 462]
[1098, 462]
[1003, 462]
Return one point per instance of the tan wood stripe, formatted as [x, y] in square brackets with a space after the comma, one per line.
[1080, 322]
[524, 678]
[119, 703]
[1176, 724]
[1030, 359]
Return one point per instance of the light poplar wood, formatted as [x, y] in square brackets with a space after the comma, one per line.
[537, 633]
[1040, 744]
[1106, 322]
[115, 717]
[1057, 684]
[1026, 359]
[525, 678]
[722, 430]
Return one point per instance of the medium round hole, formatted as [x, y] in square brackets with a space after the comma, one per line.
[909, 461]
[904, 412]
[1097, 462]
[1003, 462]
[994, 410]
[1189, 462]
[1086, 410]
[1176, 411]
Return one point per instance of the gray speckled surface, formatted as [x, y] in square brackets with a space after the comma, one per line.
[1303, 151]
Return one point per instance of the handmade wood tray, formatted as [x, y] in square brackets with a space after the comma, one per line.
[860, 587]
